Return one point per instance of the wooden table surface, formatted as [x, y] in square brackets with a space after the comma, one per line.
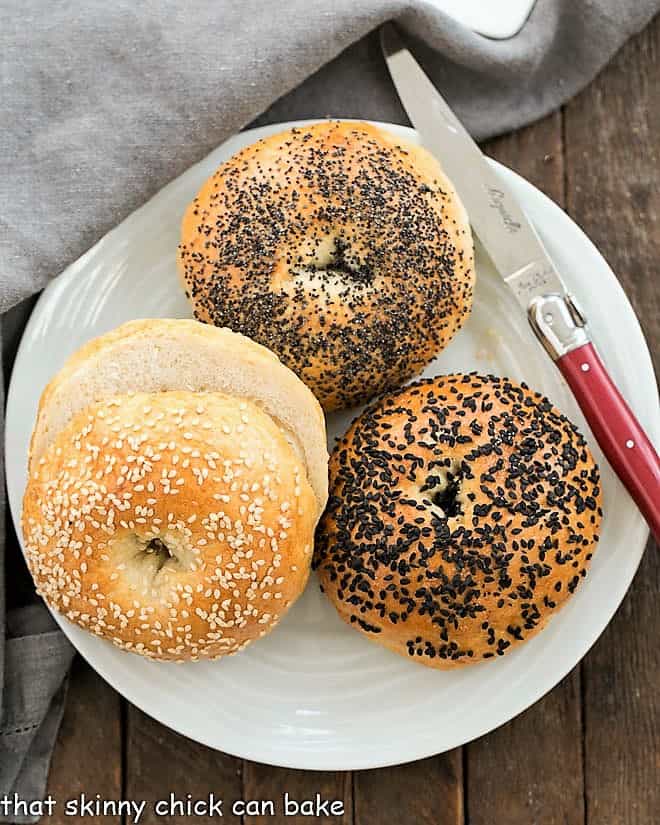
[589, 752]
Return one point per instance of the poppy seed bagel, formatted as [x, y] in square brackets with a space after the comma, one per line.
[343, 248]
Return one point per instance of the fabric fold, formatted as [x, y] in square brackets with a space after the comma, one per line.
[36, 664]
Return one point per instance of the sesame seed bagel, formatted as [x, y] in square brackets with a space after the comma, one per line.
[176, 523]
[341, 247]
[463, 511]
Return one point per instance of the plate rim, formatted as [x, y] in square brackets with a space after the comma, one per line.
[327, 759]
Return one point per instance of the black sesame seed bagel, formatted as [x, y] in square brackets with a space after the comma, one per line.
[463, 511]
[339, 246]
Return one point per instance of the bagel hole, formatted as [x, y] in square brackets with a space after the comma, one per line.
[161, 552]
[443, 491]
[346, 264]
[332, 257]
[447, 497]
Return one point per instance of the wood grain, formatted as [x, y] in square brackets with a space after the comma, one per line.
[87, 758]
[536, 153]
[530, 770]
[427, 792]
[160, 762]
[613, 173]
[264, 782]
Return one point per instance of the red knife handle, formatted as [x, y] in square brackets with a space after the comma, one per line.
[620, 435]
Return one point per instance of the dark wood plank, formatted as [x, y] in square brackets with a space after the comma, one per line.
[427, 792]
[530, 770]
[613, 166]
[160, 762]
[536, 153]
[622, 709]
[87, 757]
[262, 782]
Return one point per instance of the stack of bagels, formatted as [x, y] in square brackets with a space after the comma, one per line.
[178, 472]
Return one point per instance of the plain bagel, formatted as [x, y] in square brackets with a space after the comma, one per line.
[463, 511]
[341, 247]
[176, 475]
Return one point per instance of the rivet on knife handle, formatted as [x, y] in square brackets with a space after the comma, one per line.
[620, 435]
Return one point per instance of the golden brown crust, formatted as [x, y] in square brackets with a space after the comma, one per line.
[463, 511]
[178, 525]
[341, 247]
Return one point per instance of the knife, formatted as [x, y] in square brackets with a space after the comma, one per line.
[525, 266]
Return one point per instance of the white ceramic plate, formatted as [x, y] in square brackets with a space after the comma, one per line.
[499, 20]
[314, 693]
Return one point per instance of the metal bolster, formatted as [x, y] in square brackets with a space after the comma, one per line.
[558, 322]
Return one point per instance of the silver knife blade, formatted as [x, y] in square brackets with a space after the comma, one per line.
[497, 219]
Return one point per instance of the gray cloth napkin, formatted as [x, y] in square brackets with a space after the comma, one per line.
[103, 103]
